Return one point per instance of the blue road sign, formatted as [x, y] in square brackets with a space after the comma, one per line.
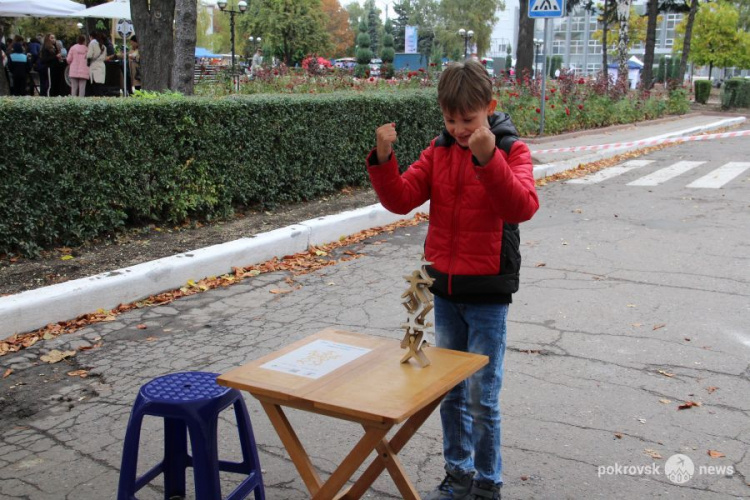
[546, 8]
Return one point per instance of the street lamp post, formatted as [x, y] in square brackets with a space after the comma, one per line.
[537, 43]
[241, 8]
[466, 35]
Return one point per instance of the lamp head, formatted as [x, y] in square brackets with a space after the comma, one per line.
[258, 39]
[242, 5]
[462, 32]
[470, 34]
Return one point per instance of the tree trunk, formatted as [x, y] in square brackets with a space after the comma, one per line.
[525, 48]
[153, 23]
[686, 42]
[605, 28]
[647, 75]
[623, 16]
[186, 20]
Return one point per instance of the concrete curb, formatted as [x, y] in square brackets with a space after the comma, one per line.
[547, 169]
[34, 309]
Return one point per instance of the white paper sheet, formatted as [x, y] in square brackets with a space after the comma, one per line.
[316, 359]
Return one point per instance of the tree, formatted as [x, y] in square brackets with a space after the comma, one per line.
[623, 16]
[186, 20]
[403, 11]
[508, 59]
[387, 54]
[652, 12]
[477, 15]
[374, 25]
[364, 54]
[717, 41]
[291, 29]
[525, 48]
[337, 26]
[687, 39]
[153, 21]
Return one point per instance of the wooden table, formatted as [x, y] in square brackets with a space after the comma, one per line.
[375, 390]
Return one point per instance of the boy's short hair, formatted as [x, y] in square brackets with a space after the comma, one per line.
[464, 87]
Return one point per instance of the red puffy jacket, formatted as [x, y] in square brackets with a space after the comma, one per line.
[473, 239]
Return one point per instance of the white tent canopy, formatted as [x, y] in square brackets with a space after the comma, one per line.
[39, 8]
[119, 9]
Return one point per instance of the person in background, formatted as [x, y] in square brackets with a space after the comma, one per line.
[134, 66]
[49, 62]
[257, 61]
[96, 54]
[61, 48]
[19, 66]
[79, 70]
[33, 49]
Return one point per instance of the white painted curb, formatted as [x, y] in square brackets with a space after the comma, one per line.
[547, 169]
[34, 309]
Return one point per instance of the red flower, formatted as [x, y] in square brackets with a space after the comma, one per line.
[546, 98]
[581, 81]
[552, 90]
[567, 111]
[372, 78]
[580, 106]
[276, 72]
[432, 65]
[552, 106]
[538, 110]
[421, 70]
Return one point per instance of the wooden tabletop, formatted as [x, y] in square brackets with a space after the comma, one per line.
[375, 387]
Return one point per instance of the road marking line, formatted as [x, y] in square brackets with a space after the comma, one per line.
[665, 174]
[721, 175]
[611, 172]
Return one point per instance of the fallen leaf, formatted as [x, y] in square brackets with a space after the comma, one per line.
[636, 324]
[666, 374]
[320, 253]
[715, 454]
[66, 257]
[7, 373]
[55, 356]
[48, 336]
[279, 291]
[652, 453]
[78, 373]
[632, 305]
[642, 420]
[687, 339]
[141, 326]
[150, 339]
[688, 404]
[618, 435]
[665, 401]
[524, 478]
[540, 264]
[711, 389]
[660, 325]
[577, 211]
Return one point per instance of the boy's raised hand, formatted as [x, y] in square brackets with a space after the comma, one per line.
[482, 144]
[386, 135]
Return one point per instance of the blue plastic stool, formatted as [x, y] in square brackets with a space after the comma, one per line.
[190, 402]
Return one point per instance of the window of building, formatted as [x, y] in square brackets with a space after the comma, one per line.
[595, 47]
[577, 23]
[593, 68]
[576, 46]
[558, 47]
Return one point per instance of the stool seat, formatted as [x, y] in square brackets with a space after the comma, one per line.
[190, 403]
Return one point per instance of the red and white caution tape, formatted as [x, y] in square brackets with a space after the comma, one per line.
[645, 142]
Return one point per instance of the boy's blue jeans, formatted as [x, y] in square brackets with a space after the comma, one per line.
[471, 411]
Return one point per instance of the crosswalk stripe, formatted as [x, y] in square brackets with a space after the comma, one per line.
[721, 175]
[666, 173]
[611, 172]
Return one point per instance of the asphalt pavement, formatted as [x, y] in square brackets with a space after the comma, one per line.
[632, 304]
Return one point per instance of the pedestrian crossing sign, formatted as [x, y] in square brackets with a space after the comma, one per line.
[546, 8]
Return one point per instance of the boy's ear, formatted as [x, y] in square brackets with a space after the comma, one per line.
[491, 107]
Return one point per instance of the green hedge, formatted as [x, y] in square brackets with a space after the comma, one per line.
[735, 93]
[702, 91]
[74, 169]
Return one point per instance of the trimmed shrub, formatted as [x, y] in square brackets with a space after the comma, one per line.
[735, 93]
[75, 169]
[702, 91]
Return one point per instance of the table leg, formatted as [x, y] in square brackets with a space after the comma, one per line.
[360, 452]
[387, 457]
[294, 447]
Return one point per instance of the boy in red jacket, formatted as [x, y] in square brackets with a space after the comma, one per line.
[479, 180]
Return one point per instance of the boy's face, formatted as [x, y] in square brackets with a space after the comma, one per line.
[462, 124]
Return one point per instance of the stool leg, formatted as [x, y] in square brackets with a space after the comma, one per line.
[249, 447]
[203, 441]
[126, 488]
[175, 457]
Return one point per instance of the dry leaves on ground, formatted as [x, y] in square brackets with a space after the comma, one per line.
[55, 356]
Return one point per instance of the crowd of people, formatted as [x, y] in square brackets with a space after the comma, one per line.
[38, 65]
